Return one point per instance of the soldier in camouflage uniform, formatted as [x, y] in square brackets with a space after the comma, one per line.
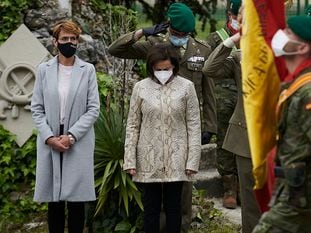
[226, 97]
[291, 202]
[193, 54]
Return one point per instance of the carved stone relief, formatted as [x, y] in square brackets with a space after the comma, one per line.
[19, 57]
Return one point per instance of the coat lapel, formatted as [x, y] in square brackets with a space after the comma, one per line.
[52, 91]
[77, 73]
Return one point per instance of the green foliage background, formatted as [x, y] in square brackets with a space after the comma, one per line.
[17, 174]
[11, 16]
[17, 179]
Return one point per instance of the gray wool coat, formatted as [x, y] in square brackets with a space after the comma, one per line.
[75, 181]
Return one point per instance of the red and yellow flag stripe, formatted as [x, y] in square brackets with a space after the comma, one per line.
[261, 74]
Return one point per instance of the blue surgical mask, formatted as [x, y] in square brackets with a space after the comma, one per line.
[179, 41]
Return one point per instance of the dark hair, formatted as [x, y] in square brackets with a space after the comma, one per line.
[161, 52]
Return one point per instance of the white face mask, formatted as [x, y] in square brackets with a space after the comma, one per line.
[279, 41]
[163, 75]
[235, 24]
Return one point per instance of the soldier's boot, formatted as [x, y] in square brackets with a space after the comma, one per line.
[229, 200]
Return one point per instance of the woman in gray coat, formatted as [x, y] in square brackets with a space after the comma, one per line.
[65, 105]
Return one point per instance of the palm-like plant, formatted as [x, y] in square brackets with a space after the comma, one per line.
[112, 183]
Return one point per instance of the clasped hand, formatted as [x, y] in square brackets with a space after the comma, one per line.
[133, 172]
[60, 143]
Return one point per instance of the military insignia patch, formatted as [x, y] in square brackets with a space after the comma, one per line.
[308, 106]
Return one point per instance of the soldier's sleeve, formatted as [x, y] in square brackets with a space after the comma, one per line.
[213, 40]
[219, 64]
[305, 114]
[127, 47]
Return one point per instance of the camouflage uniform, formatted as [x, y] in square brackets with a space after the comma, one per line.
[291, 201]
[192, 59]
[226, 98]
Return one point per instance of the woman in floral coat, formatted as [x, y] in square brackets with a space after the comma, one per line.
[163, 137]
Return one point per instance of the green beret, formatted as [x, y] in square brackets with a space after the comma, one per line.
[235, 6]
[301, 26]
[181, 17]
[308, 10]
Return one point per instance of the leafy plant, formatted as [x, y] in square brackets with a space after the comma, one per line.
[106, 87]
[17, 164]
[208, 218]
[17, 175]
[112, 182]
[11, 16]
[119, 18]
[141, 69]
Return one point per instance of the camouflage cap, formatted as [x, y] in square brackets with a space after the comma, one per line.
[235, 6]
[181, 17]
[301, 26]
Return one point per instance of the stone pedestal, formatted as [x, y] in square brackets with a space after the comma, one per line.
[208, 156]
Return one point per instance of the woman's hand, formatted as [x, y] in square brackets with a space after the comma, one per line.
[56, 144]
[131, 171]
[190, 172]
[64, 139]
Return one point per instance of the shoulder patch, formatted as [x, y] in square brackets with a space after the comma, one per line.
[158, 38]
[308, 106]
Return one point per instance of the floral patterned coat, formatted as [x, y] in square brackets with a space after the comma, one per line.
[163, 134]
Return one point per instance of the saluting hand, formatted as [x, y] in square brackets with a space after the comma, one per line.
[236, 37]
[156, 29]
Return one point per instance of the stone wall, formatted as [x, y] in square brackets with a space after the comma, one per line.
[92, 48]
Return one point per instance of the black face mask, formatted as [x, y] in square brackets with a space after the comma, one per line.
[67, 49]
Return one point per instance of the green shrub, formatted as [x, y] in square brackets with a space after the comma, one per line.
[119, 19]
[17, 164]
[17, 179]
[118, 197]
[106, 88]
[11, 16]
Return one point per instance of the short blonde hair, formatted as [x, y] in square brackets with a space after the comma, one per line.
[67, 26]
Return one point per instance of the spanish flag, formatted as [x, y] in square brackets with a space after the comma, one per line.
[261, 75]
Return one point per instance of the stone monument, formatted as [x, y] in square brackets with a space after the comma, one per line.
[19, 57]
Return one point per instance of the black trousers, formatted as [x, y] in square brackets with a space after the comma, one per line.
[56, 211]
[154, 194]
[56, 217]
